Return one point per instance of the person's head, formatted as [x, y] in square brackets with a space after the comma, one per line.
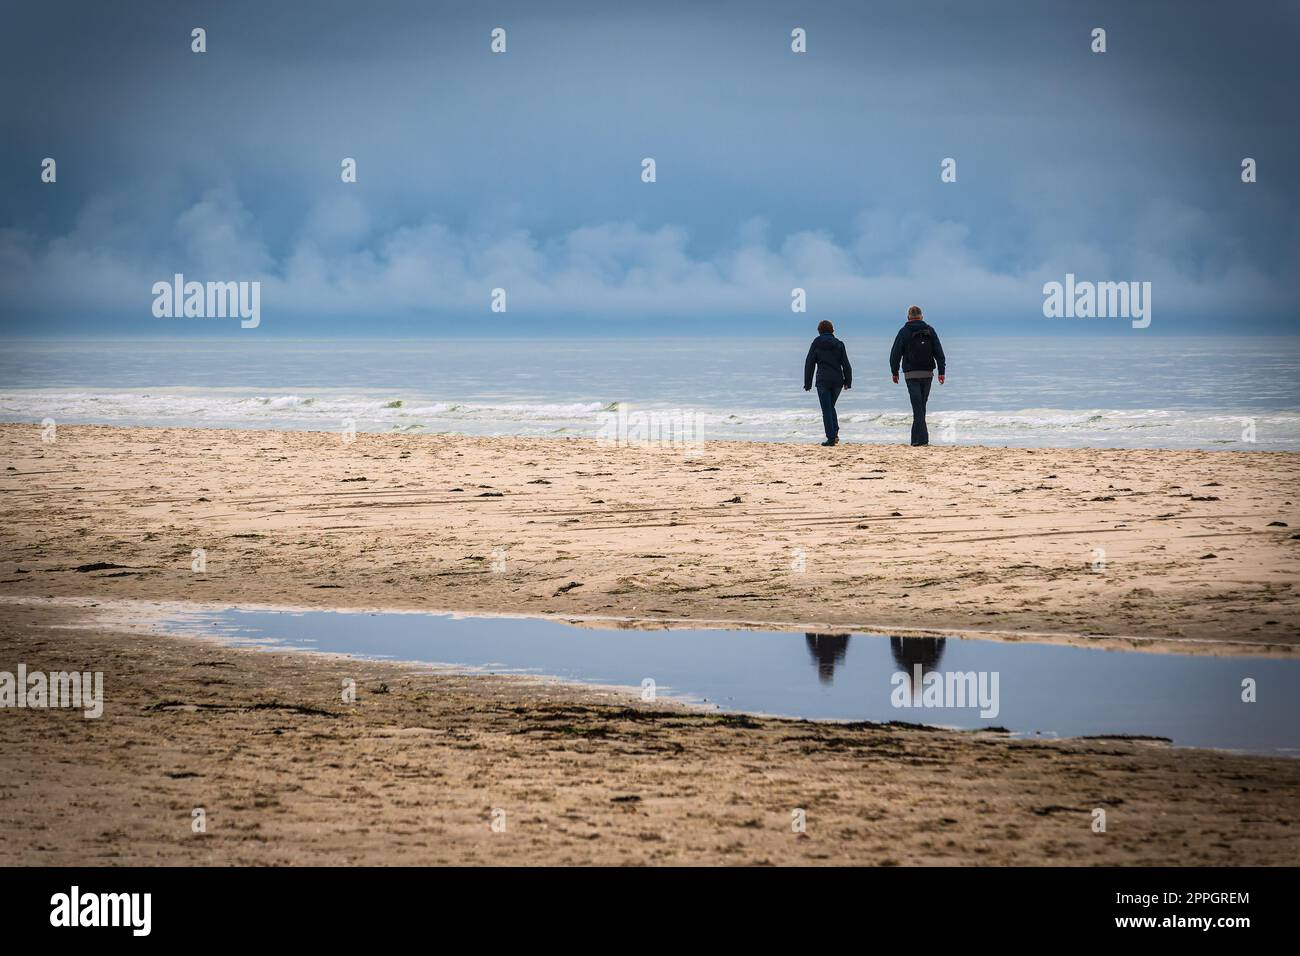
[825, 326]
[914, 313]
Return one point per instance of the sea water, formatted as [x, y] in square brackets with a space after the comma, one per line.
[1112, 391]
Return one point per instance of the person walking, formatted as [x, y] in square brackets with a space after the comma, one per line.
[828, 355]
[917, 347]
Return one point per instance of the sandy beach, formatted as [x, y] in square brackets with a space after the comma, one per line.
[1190, 545]
[1175, 550]
[413, 771]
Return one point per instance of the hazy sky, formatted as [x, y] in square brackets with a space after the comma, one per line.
[522, 170]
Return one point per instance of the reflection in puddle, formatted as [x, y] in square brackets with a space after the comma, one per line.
[827, 650]
[909, 652]
[1030, 689]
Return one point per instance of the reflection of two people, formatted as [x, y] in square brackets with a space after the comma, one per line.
[828, 650]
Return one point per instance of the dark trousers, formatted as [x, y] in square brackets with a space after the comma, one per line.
[918, 390]
[828, 396]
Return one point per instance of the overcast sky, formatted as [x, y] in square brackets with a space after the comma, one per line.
[523, 170]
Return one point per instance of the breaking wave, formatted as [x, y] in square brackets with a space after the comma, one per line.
[405, 412]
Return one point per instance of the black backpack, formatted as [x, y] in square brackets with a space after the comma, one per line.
[920, 349]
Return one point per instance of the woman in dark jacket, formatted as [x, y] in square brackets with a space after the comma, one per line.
[828, 355]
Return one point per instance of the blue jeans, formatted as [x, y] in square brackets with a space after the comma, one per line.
[828, 396]
[918, 390]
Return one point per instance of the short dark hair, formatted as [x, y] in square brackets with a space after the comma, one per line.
[825, 326]
[914, 312]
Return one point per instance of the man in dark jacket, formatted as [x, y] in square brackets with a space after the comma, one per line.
[831, 359]
[917, 346]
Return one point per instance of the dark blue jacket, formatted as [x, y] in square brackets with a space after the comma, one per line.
[830, 357]
[899, 351]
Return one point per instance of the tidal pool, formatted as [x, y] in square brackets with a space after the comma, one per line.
[1029, 689]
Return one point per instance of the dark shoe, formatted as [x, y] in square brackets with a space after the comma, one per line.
[830, 442]
[920, 444]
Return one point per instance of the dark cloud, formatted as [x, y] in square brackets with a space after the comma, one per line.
[522, 170]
